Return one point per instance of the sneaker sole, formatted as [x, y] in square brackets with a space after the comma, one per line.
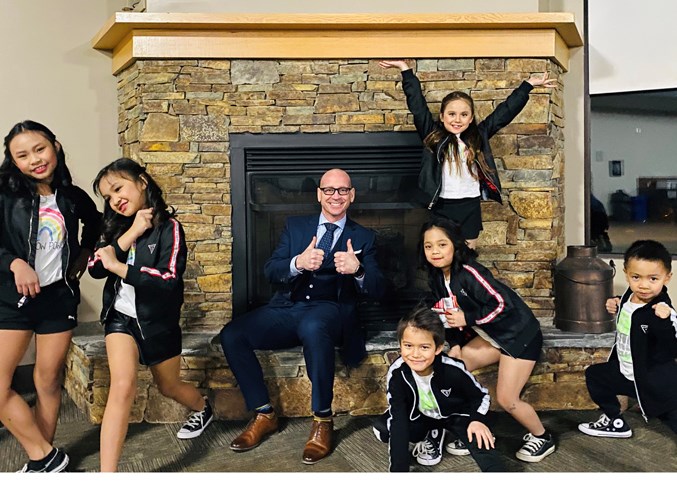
[429, 462]
[457, 452]
[598, 433]
[197, 433]
[64, 464]
[377, 434]
[534, 459]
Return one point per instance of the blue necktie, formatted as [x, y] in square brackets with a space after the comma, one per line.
[328, 238]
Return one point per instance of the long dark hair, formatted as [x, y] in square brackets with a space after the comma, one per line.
[462, 253]
[470, 137]
[15, 180]
[114, 224]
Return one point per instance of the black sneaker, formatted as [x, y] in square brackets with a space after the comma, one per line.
[606, 427]
[428, 452]
[535, 448]
[457, 448]
[196, 423]
[55, 462]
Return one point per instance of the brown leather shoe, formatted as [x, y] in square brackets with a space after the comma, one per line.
[319, 443]
[258, 428]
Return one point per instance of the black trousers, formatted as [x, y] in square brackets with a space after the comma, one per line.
[488, 460]
[605, 381]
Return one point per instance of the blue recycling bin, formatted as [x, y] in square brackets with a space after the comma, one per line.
[640, 208]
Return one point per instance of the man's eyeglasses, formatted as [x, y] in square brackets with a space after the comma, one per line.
[329, 191]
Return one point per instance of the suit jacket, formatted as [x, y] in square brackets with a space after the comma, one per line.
[297, 234]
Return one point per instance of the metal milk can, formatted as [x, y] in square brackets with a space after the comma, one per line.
[583, 283]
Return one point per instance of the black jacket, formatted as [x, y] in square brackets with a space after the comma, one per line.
[489, 304]
[653, 345]
[457, 393]
[19, 217]
[156, 275]
[430, 177]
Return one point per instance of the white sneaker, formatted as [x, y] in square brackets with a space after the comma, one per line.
[457, 448]
[606, 427]
[428, 452]
[196, 423]
[535, 448]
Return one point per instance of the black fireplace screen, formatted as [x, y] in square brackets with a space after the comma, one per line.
[274, 176]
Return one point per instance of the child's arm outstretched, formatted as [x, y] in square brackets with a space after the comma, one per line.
[423, 119]
[542, 80]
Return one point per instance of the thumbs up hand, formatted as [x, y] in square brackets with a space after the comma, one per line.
[345, 261]
[311, 258]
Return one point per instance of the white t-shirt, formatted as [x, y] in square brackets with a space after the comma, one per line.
[51, 241]
[125, 301]
[623, 338]
[457, 180]
[426, 400]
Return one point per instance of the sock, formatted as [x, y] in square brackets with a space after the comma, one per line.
[545, 435]
[323, 416]
[267, 408]
[42, 462]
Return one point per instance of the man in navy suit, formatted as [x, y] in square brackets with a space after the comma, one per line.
[325, 263]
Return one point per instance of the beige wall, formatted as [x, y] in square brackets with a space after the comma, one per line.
[52, 75]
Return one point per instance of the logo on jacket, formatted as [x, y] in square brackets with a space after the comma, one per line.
[151, 247]
[446, 393]
[463, 292]
[644, 327]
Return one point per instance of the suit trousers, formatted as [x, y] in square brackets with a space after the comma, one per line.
[314, 325]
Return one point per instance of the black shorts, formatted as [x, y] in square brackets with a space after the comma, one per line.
[152, 350]
[532, 351]
[53, 310]
[466, 212]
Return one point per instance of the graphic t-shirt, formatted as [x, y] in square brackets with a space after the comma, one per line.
[623, 338]
[51, 241]
[426, 400]
[125, 301]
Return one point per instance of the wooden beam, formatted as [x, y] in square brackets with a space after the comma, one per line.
[133, 35]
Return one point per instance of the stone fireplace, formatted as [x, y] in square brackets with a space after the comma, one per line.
[195, 91]
[178, 118]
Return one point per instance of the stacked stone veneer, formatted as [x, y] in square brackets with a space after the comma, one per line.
[557, 382]
[176, 118]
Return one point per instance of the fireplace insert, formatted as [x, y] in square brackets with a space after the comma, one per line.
[274, 176]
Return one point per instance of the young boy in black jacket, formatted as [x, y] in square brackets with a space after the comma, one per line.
[642, 362]
[429, 392]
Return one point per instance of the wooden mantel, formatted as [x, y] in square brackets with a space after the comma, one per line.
[133, 35]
